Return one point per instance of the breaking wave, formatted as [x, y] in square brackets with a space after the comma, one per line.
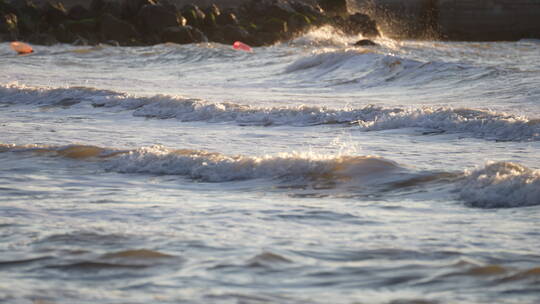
[471, 122]
[367, 68]
[216, 167]
[498, 185]
[501, 185]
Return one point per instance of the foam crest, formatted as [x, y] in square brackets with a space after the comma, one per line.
[365, 68]
[74, 151]
[501, 185]
[215, 167]
[16, 94]
[326, 60]
[325, 36]
[476, 123]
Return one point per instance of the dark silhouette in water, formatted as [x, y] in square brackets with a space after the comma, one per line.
[365, 42]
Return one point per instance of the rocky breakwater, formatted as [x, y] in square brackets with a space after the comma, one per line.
[464, 20]
[147, 22]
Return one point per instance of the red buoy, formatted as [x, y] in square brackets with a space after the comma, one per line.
[242, 47]
[21, 47]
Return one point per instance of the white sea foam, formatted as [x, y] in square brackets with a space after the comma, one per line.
[367, 68]
[215, 167]
[472, 122]
[498, 185]
[479, 123]
[17, 94]
[325, 36]
[501, 185]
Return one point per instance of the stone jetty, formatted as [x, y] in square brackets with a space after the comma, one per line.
[148, 22]
[464, 20]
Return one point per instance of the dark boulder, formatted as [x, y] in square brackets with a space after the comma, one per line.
[314, 12]
[130, 8]
[228, 34]
[227, 18]
[62, 34]
[212, 9]
[194, 15]
[29, 16]
[97, 6]
[100, 7]
[6, 7]
[280, 9]
[274, 25]
[210, 22]
[298, 23]
[211, 13]
[365, 42]
[112, 28]
[183, 35]
[362, 24]
[54, 14]
[79, 12]
[9, 25]
[334, 7]
[82, 27]
[155, 18]
[42, 39]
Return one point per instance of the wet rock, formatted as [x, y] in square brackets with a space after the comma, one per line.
[212, 9]
[211, 13]
[28, 15]
[365, 42]
[43, 39]
[227, 18]
[334, 7]
[84, 27]
[228, 34]
[275, 25]
[313, 12]
[6, 7]
[9, 25]
[100, 7]
[182, 35]
[194, 15]
[198, 35]
[362, 24]
[298, 23]
[130, 8]
[63, 35]
[112, 28]
[279, 9]
[156, 18]
[79, 12]
[97, 6]
[54, 14]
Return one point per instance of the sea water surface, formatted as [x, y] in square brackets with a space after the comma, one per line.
[310, 171]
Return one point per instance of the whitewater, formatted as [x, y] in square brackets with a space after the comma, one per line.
[310, 171]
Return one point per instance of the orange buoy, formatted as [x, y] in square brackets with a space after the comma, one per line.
[21, 47]
[242, 47]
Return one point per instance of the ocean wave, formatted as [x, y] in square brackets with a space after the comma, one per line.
[484, 124]
[501, 185]
[16, 94]
[216, 167]
[498, 185]
[325, 36]
[478, 123]
[366, 68]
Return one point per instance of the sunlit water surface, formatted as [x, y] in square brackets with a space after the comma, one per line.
[306, 172]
